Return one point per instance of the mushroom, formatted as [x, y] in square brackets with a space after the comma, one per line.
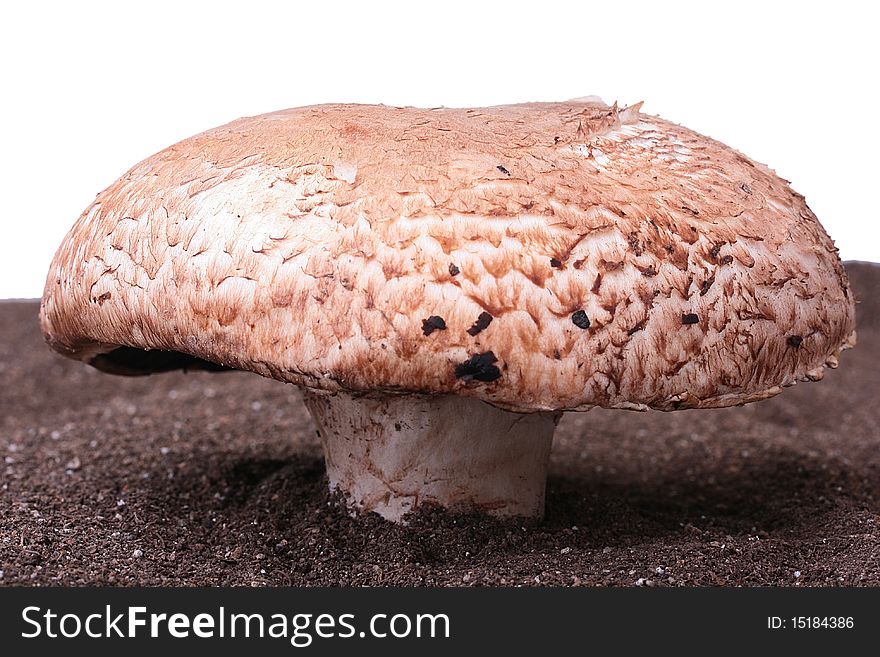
[444, 283]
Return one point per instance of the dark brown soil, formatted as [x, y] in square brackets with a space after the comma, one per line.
[217, 479]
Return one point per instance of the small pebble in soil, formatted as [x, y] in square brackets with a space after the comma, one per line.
[138, 553]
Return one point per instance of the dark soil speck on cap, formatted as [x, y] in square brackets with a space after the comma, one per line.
[433, 323]
[453, 269]
[479, 367]
[690, 318]
[482, 322]
[579, 318]
[795, 341]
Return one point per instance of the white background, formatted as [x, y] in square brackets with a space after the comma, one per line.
[89, 89]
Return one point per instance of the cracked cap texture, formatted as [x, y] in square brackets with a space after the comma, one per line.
[542, 256]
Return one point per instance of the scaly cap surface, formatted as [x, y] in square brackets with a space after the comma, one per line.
[536, 256]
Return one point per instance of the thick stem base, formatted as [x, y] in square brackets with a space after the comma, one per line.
[396, 454]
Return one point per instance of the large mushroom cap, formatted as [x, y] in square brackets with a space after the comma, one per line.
[537, 256]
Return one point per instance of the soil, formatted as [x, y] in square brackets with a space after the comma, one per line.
[217, 479]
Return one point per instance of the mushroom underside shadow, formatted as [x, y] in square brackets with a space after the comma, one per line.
[131, 361]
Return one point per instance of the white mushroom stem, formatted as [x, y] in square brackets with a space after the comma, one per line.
[396, 454]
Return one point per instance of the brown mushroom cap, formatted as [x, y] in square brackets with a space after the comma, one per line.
[536, 256]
